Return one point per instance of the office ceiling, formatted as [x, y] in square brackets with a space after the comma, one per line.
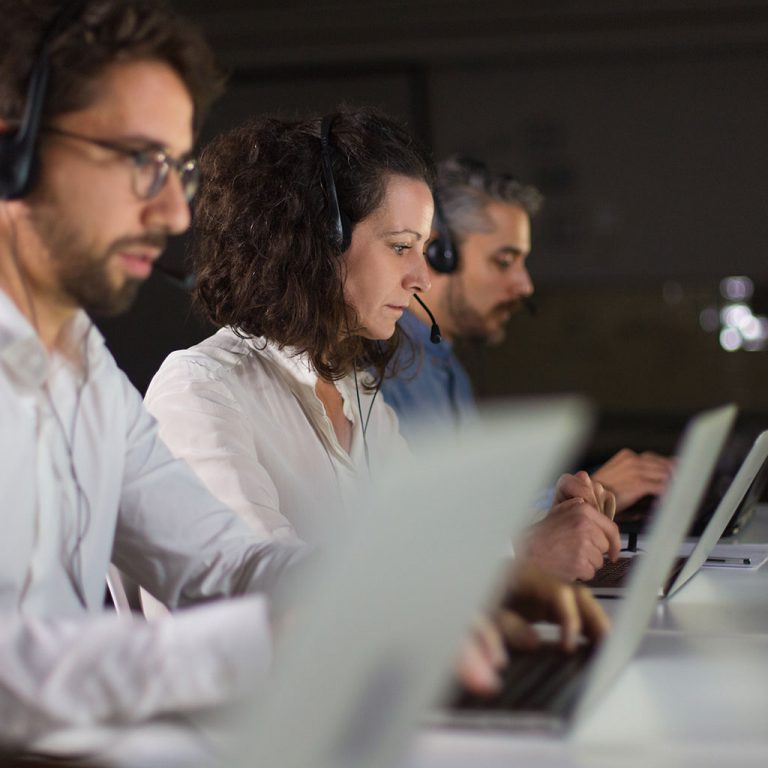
[274, 33]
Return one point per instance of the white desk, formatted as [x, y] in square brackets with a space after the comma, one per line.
[685, 700]
[696, 693]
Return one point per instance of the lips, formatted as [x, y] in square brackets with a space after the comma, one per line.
[138, 264]
[508, 308]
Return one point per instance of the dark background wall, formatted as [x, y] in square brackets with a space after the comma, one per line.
[644, 123]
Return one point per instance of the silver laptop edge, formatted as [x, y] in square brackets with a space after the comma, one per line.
[697, 489]
[700, 447]
[736, 492]
[383, 616]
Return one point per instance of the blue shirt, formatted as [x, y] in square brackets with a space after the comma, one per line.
[431, 384]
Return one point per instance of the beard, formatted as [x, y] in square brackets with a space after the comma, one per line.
[489, 327]
[87, 282]
[82, 269]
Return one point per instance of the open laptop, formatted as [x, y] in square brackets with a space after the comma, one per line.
[744, 491]
[634, 519]
[378, 626]
[612, 579]
[564, 687]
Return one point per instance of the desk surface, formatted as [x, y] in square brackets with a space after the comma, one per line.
[696, 694]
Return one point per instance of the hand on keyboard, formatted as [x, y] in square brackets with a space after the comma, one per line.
[530, 594]
[633, 475]
[536, 595]
[572, 541]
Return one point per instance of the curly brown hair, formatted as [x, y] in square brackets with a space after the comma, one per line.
[101, 33]
[264, 257]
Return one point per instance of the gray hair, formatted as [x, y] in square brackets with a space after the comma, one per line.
[465, 187]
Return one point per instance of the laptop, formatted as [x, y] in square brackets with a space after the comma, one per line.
[744, 492]
[634, 519]
[378, 625]
[733, 456]
[612, 579]
[563, 693]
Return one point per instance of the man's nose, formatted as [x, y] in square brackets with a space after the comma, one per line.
[169, 211]
[520, 284]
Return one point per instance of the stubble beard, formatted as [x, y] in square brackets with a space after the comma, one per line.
[470, 323]
[82, 272]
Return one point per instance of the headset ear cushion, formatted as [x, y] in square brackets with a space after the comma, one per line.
[441, 255]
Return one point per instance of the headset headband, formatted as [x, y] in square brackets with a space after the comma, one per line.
[340, 227]
[18, 155]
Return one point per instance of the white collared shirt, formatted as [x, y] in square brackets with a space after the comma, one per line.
[85, 478]
[245, 415]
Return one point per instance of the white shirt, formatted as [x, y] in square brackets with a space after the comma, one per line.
[245, 416]
[81, 461]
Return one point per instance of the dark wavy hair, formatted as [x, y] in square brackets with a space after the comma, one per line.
[101, 33]
[263, 253]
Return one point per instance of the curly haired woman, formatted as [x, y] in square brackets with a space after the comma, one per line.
[310, 240]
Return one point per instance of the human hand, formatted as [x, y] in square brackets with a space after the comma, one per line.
[571, 541]
[585, 488]
[481, 657]
[530, 594]
[535, 595]
[630, 476]
[577, 533]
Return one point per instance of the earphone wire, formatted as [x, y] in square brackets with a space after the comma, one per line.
[73, 562]
[363, 422]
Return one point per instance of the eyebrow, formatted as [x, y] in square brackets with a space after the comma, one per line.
[136, 138]
[145, 142]
[511, 250]
[404, 232]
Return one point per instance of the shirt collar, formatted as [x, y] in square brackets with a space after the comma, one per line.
[296, 364]
[298, 367]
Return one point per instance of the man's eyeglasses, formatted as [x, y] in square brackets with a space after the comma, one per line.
[151, 166]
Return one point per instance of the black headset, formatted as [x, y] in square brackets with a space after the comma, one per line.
[442, 253]
[341, 228]
[18, 149]
[339, 223]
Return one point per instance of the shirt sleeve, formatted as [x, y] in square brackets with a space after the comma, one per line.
[175, 538]
[92, 670]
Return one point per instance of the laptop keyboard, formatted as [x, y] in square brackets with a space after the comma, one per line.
[531, 681]
[615, 574]
[611, 574]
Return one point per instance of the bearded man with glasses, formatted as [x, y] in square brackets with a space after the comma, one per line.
[96, 173]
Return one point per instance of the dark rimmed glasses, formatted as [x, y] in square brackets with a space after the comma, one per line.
[151, 165]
